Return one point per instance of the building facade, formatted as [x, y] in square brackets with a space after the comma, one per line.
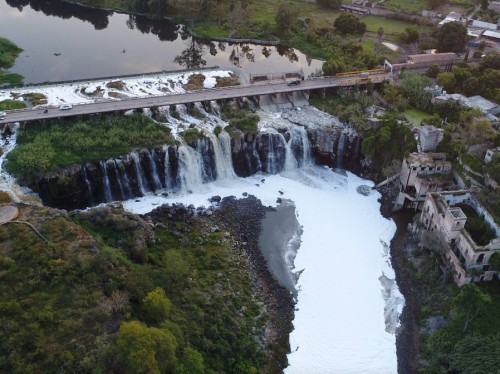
[470, 262]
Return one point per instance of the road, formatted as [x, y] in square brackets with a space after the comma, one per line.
[108, 106]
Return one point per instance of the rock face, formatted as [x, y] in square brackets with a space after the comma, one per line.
[297, 138]
[332, 142]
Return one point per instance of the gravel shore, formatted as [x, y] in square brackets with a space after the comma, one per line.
[407, 338]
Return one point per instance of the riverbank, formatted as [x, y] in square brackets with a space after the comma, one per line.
[407, 337]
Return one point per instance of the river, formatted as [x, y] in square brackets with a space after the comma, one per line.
[64, 42]
[347, 302]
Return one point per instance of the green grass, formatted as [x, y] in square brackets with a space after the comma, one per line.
[212, 31]
[390, 26]
[411, 6]
[416, 116]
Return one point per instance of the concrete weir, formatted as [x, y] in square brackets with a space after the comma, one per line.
[283, 100]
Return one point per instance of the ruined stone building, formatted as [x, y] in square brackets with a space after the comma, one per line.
[422, 173]
[470, 262]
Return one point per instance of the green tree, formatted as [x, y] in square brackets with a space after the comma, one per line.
[412, 86]
[476, 354]
[348, 23]
[285, 18]
[490, 61]
[447, 80]
[410, 35]
[461, 75]
[469, 304]
[156, 306]
[147, 350]
[451, 37]
[433, 71]
[191, 362]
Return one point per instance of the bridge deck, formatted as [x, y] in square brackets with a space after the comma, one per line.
[190, 97]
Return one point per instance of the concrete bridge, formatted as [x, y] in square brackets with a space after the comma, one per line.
[271, 95]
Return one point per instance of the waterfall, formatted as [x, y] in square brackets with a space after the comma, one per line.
[190, 175]
[225, 146]
[108, 196]
[271, 157]
[154, 172]
[124, 176]
[168, 174]
[305, 160]
[139, 173]
[223, 162]
[88, 185]
[340, 151]
[119, 181]
[290, 160]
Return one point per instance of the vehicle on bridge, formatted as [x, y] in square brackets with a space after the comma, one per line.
[66, 107]
[293, 82]
[2, 114]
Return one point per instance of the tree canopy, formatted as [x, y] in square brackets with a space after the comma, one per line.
[348, 23]
[451, 37]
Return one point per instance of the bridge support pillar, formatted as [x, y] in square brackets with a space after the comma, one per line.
[322, 93]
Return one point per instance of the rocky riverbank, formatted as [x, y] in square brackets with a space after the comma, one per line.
[244, 218]
[407, 338]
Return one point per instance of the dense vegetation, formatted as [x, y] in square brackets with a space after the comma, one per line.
[108, 292]
[240, 120]
[8, 54]
[459, 334]
[45, 146]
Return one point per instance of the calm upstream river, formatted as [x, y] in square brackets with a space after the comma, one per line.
[68, 42]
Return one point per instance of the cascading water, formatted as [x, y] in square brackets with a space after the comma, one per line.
[190, 175]
[108, 195]
[90, 190]
[168, 174]
[119, 180]
[122, 176]
[223, 162]
[340, 151]
[227, 161]
[152, 159]
[139, 173]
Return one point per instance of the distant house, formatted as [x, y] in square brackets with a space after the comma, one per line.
[354, 9]
[492, 35]
[482, 25]
[430, 14]
[422, 173]
[424, 60]
[453, 17]
[431, 58]
[470, 261]
[430, 137]
[489, 108]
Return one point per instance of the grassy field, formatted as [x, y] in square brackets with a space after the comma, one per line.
[391, 26]
[416, 116]
[413, 5]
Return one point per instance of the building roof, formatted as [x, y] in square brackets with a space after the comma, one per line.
[427, 159]
[481, 103]
[436, 57]
[492, 34]
[484, 25]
